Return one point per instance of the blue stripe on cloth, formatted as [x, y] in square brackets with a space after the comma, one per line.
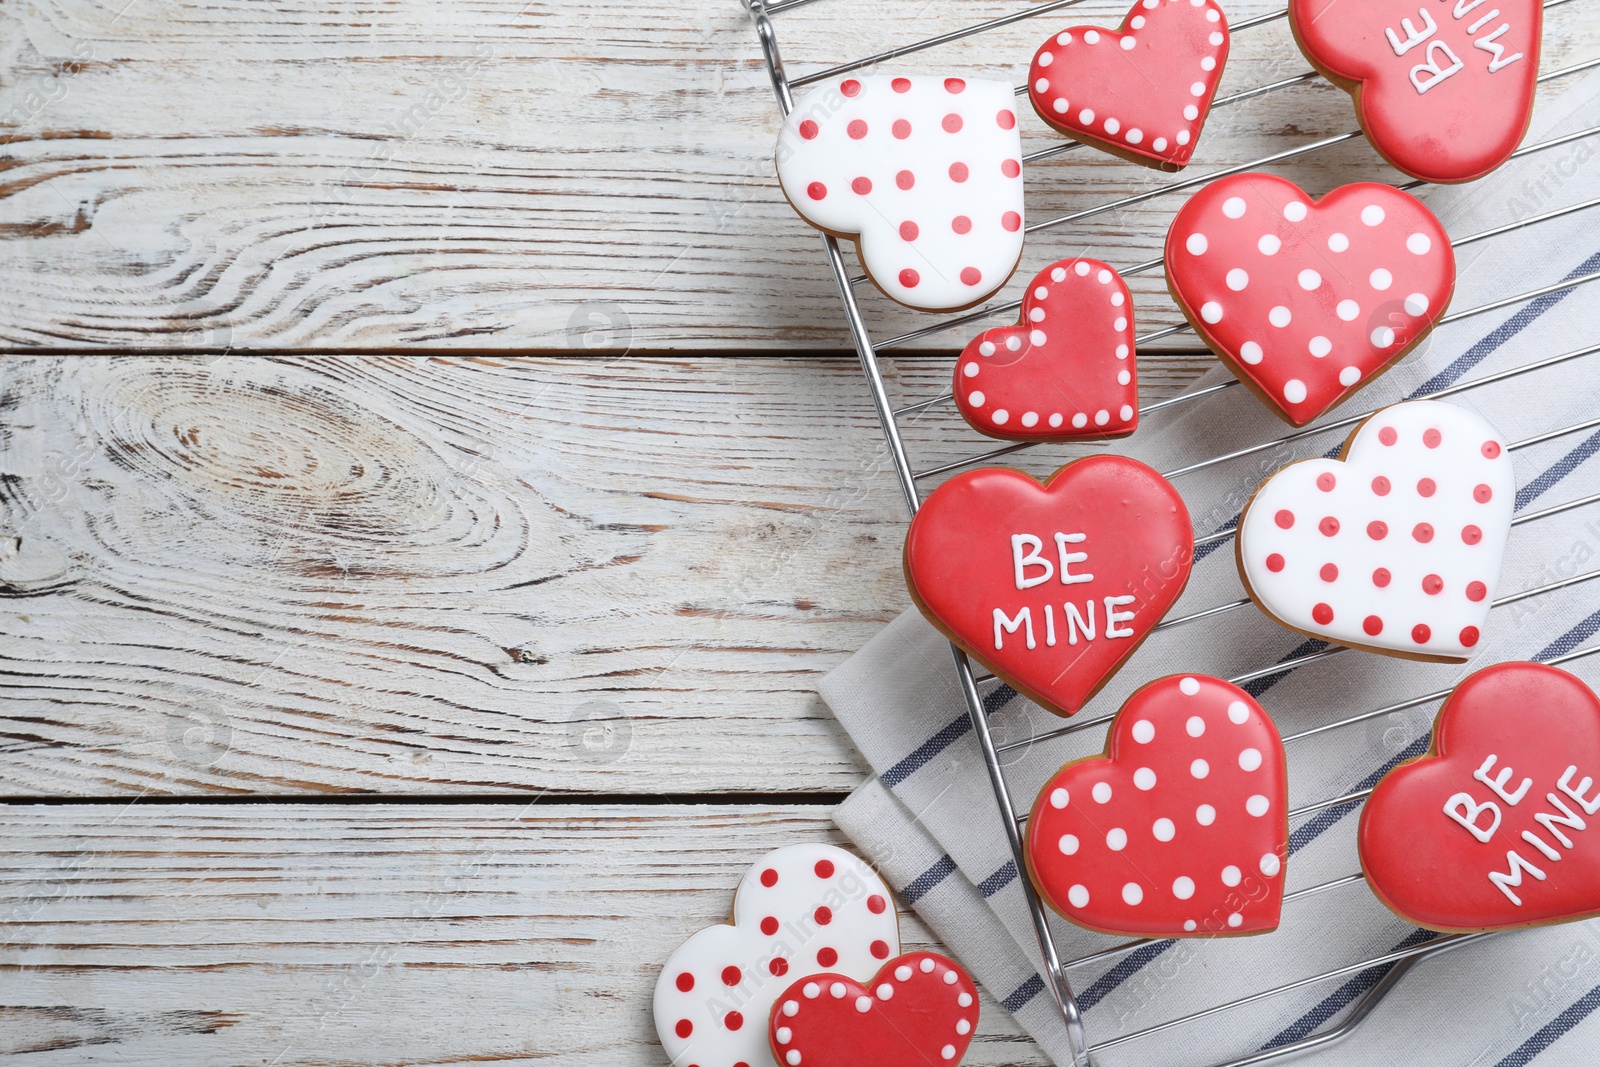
[1343, 997]
[1547, 1034]
[952, 731]
[1570, 640]
[1563, 467]
[923, 883]
[1327, 818]
[999, 879]
[1022, 994]
[1309, 646]
[1125, 969]
[1503, 332]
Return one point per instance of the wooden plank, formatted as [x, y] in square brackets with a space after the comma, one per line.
[371, 935]
[507, 176]
[450, 575]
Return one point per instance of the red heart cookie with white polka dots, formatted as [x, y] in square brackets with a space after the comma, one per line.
[1394, 547]
[1495, 826]
[1066, 371]
[918, 1011]
[924, 173]
[1140, 92]
[800, 910]
[1181, 830]
[1051, 586]
[1443, 88]
[1307, 301]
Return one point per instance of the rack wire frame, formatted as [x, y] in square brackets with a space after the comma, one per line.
[1397, 962]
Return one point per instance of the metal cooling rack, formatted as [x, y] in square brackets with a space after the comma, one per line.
[1397, 962]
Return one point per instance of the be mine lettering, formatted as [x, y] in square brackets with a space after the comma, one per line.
[1482, 820]
[1031, 568]
[1439, 60]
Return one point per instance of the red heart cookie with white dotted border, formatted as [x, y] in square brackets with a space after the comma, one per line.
[919, 1010]
[924, 173]
[1443, 88]
[1307, 301]
[799, 910]
[1393, 547]
[1141, 91]
[1051, 586]
[1181, 829]
[1066, 371]
[1495, 827]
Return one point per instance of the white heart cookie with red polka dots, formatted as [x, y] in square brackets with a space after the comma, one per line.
[1394, 547]
[1307, 300]
[919, 1010]
[799, 910]
[1066, 371]
[925, 174]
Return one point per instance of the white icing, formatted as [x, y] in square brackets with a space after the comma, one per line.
[973, 225]
[1449, 562]
[793, 901]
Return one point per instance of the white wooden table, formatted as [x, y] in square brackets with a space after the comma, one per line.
[432, 480]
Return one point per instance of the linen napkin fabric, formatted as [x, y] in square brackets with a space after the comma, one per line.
[928, 820]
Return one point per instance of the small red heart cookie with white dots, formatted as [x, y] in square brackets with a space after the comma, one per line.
[1489, 830]
[925, 174]
[1444, 90]
[1393, 547]
[801, 909]
[1140, 92]
[1181, 829]
[1066, 371]
[1307, 300]
[919, 1010]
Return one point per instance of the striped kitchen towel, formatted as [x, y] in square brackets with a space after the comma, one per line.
[927, 817]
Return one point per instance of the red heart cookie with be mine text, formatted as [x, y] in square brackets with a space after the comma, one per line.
[1181, 829]
[1051, 586]
[1066, 370]
[1443, 88]
[1141, 91]
[918, 1011]
[1307, 300]
[1499, 824]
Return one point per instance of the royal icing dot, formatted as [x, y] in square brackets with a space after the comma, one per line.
[884, 144]
[1434, 517]
[1294, 316]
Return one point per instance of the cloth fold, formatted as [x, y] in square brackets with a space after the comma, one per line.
[928, 819]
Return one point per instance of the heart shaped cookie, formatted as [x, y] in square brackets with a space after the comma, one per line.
[925, 174]
[1141, 91]
[1490, 829]
[1307, 301]
[799, 910]
[1181, 829]
[1394, 547]
[1443, 88]
[1051, 586]
[919, 1010]
[1066, 371]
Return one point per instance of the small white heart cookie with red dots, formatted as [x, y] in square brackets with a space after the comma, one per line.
[1394, 547]
[799, 910]
[923, 173]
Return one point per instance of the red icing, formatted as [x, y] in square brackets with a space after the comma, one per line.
[1460, 125]
[918, 1007]
[1537, 722]
[1065, 370]
[1311, 324]
[960, 563]
[827, 957]
[824, 868]
[731, 976]
[1132, 97]
[1197, 850]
